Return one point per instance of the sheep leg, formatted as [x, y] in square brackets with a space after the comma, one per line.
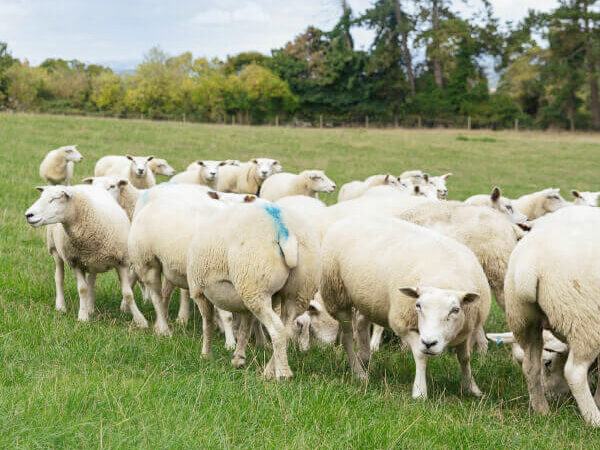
[91, 298]
[133, 278]
[59, 280]
[597, 393]
[153, 284]
[344, 317]
[376, 337]
[208, 323]
[288, 311]
[243, 335]
[227, 323]
[166, 291]
[576, 374]
[82, 289]
[532, 366]
[138, 317]
[419, 390]
[259, 334]
[183, 315]
[363, 326]
[481, 342]
[463, 354]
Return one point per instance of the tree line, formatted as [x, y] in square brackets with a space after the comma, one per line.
[427, 65]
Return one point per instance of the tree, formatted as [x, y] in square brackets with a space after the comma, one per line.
[6, 61]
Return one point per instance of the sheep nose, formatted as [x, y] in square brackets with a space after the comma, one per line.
[428, 344]
[334, 187]
[548, 363]
[28, 215]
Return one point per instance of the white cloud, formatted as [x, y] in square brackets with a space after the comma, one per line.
[250, 12]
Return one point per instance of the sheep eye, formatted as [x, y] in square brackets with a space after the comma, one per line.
[454, 310]
[418, 307]
[509, 208]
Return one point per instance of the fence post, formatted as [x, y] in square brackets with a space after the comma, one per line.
[276, 120]
[183, 117]
[233, 119]
[395, 120]
[366, 121]
[469, 123]
[320, 120]
[142, 116]
[516, 124]
[418, 121]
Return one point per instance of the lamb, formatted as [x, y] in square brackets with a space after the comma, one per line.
[553, 283]
[499, 203]
[57, 166]
[247, 178]
[539, 203]
[206, 174]
[308, 182]
[88, 230]
[355, 189]
[430, 306]
[244, 259]
[160, 166]
[585, 198]
[133, 168]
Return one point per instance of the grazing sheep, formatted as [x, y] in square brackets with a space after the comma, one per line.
[308, 183]
[57, 166]
[247, 260]
[206, 174]
[89, 231]
[315, 323]
[585, 198]
[355, 189]
[540, 203]
[553, 283]
[160, 166]
[434, 296]
[501, 204]
[133, 168]
[247, 178]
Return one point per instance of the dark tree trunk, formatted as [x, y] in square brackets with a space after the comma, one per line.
[407, 56]
[437, 63]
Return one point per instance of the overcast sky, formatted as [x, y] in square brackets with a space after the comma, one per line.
[119, 32]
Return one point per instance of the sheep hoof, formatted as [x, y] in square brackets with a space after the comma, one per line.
[474, 390]
[83, 316]
[143, 324]
[162, 331]
[124, 306]
[540, 406]
[230, 345]
[238, 361]
[182, 321]
[61, 308]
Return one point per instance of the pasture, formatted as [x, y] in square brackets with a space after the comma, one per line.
[107, 384]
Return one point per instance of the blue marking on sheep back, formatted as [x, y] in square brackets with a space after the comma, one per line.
[275, 212]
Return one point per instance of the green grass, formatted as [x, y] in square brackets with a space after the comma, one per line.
[106, 384]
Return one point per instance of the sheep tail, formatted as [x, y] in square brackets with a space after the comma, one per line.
[287, 241]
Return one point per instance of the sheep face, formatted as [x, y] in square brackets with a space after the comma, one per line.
[110, 184]
[553, 201]
[505, 206]
[391, 181]
[71, 153]
[425, 190]
[585, 198]
[139, 165]
[317, 322]
[210, 169]
[319, 182]
[441, 316]
[50, 207]
[439, 183]
[161, 167]
[265, 167]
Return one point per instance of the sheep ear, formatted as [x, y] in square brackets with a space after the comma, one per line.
[276, 163]
[495, 194]
[122, 182]
[150, 158]
[88, 180]
[387, 178]
[312, 309]
[417, 189]
[575, 193]
[447, 175]
[201, 163]
[410, 291]
[249, 198]
[469, 297]
[213, 195]
[129, 157]
[222, 163]
[41, 188]
[67, 193]
[426, 177]
[254, 161]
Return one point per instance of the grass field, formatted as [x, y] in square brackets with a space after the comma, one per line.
[107, 384]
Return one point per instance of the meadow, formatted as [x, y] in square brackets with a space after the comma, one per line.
[108, 384]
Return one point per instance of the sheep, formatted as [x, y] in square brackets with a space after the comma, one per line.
[553, 283]
[121, 189]
[133, 168]
[308, 183]
[197, 164]
[244, 260]
[414, 176]
[539, 203]
[439, 183]
[88, 230]
[585, 198]
[247, 178]
[57, 166]
[315, 323]
[417, 177]
[429, 289]
[502, 204]
[355, 189]
[206, 174]
[160, 166]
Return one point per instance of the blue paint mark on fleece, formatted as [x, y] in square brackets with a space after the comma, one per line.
[144, 197]
[275, 212]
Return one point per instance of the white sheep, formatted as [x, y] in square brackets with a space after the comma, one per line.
[247, 260]
[133, 168]
[439, 183]
[355, 189]
[89, 231]
[418, 178]
[501, 204]
[434, 296]
[315, 323]
[247, 178]
[206, 173]
[540, 203]
[308, 183]
[57, 166]
[585, 198]
[160, 166]
[553, 282]
[414, 176]
[197, 164]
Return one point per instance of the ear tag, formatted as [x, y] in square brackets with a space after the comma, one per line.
[498, 340]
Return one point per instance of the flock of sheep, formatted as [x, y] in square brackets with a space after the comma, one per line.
[253, 247]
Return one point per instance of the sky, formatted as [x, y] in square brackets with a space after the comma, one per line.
[117, 33]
